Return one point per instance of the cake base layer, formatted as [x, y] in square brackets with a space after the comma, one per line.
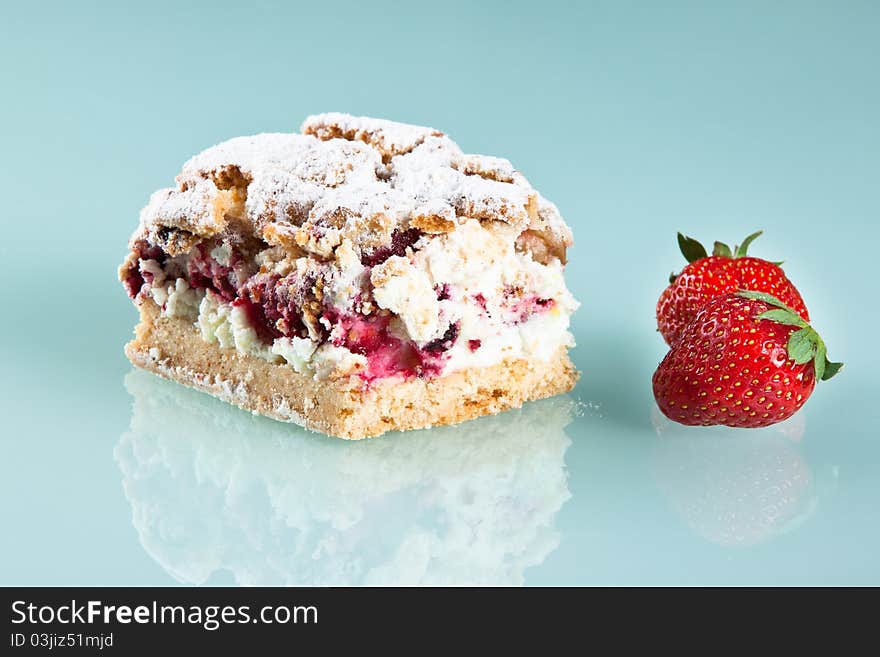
[174, 349]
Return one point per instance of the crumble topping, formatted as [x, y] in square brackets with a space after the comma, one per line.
[389, 138]
[308, 189]
[361, 246]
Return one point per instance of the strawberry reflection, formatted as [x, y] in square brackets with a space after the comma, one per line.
[736, 487]
[215, 489]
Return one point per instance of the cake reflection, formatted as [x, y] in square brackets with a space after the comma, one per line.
[216, 489]
[734, 487]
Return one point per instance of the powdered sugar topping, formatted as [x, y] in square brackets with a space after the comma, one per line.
[346, 177]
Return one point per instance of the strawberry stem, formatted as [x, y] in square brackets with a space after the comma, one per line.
[692, 250]
[740, 251]
[721, 249]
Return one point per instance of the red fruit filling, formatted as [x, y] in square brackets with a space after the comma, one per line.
[444, 342]
[133, 282]
[400, 240]
[257, 319]
[205, 272]
[388, 355]
[278, 302]
[443, 292]
[134, 279]
[473, 345]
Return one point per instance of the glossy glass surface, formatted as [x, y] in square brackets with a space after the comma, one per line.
[638, 121]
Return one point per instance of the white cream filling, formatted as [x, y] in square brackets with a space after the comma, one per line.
[477, 261]
[296, 351]
[538, 338]
[176, 298]
[330, 361]
[222, 254]
[228, 326]
[474, 259]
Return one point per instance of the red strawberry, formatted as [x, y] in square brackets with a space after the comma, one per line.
[707, 277]
[746, 360]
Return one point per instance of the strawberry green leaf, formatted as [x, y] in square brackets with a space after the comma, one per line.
[691, 249]
[830, 370]
[743, 249]
[721, 249]
[819, 361]
[672, 277]
[823, 368]
[781, 316]
[802, 346]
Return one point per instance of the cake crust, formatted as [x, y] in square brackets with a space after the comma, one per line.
[173, 348]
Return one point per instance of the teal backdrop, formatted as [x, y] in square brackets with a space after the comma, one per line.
[638, 119]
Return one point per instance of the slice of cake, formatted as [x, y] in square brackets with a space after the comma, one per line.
[361, 277]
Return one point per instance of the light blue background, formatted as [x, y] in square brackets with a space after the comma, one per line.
[637, 119]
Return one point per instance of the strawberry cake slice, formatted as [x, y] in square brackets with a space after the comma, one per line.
[360, 277]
